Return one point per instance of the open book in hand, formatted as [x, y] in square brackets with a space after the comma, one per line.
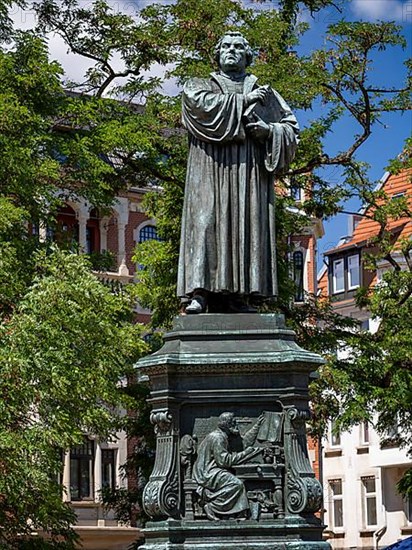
[269, 111]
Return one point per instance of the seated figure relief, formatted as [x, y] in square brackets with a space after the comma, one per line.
[222, 494]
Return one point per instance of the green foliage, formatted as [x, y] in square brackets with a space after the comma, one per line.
[63, 351]
[404, 485]
[66, 341]
[103, 261]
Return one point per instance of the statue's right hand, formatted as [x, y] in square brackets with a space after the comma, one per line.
[255, 450]
[260, 94]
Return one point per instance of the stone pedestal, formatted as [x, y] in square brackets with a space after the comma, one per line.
[251, 366]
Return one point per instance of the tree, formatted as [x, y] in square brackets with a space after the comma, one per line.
[61, 367]
[66, 341]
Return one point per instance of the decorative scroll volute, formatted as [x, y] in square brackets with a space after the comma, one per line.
[161, 496]
[303, 490]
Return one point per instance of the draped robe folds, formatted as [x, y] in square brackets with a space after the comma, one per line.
[222, 490]
[228, 224]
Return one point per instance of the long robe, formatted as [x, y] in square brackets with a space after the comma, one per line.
[224, 493]
[228, 224]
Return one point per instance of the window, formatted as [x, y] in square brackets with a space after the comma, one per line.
[353, 271]
[398, 195]
[364, 326]
[81, 470]
[408, 509]
[336, 503]
[369, 501]
[108, 468]
[298, 275]
[296, 193]
[364, 433]
[392, 431]
[89, 240]
[338, 276]
[147, 233]
[334, 435]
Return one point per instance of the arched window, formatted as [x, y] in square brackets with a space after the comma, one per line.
[298, 275]
[147, 233]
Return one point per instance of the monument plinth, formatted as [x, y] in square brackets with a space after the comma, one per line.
[230, 402]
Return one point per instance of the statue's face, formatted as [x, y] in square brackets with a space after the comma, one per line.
[232, 54]
[232, 426]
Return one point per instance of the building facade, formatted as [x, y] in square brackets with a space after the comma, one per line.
[96, 465]
[360, 471]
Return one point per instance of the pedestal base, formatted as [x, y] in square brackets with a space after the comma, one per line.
[234, 535]
[246, 367]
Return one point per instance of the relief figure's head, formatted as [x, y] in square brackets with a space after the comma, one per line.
[233, 53]
[227, 423]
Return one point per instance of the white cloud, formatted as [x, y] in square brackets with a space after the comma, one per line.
[387, 10]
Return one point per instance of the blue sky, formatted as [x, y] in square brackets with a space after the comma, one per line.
[388, 138]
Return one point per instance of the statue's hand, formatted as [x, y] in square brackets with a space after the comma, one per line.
[254, 451]
[260, 94]
[260, 420]
[259, 130]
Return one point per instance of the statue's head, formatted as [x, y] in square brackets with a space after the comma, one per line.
[227, 423]
[233, 52]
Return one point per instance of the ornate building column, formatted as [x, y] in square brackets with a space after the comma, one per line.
[122, 213]
[104, 222]
[97, 474]
[66, 477]
[83, 211]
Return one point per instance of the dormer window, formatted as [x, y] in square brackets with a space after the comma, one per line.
[353, 272]
[398, 195]
[338, 276]
[345, 273]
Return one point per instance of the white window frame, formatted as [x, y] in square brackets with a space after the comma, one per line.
[335, 439]
[394, 430]
[356, 259]
[369, 496]
[336, 289]
[334, 499]
[136, 230]
[303, 274]
[365, 434]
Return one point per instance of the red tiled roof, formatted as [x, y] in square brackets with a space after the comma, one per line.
[367, 228]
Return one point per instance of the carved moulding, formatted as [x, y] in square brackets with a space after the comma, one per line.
[161, 496]
[304, 491]
[219, 367]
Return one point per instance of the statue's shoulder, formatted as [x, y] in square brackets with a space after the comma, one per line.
[197, 84]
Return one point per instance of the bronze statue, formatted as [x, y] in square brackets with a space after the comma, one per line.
[241, 135]
[221, 492]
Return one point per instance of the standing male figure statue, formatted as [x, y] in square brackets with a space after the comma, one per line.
[241, 135]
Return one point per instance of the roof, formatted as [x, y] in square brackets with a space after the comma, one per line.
[367, 228]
